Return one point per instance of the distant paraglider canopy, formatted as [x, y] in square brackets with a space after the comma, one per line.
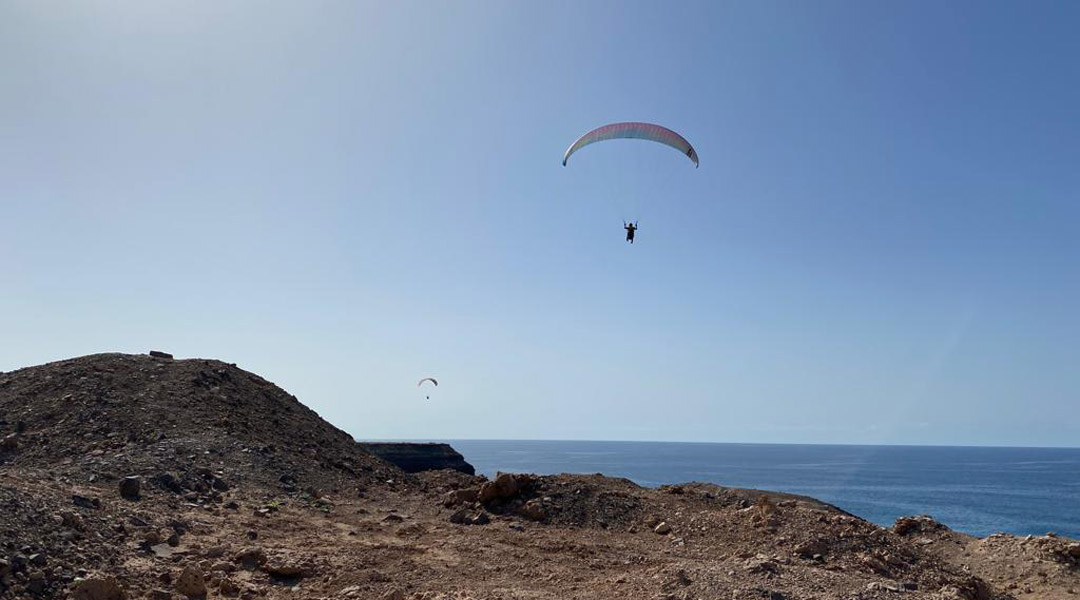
[633, 130]
[421, 382]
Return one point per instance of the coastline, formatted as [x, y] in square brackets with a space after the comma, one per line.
[879, 483]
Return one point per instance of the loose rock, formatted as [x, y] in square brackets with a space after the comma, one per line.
[505, 486]
[9, 443]
[129, 488]
[99, 588]
[191, 582]
[533, 509]
[284, 569]
[465, 496]
[84, 502]
[251, 558]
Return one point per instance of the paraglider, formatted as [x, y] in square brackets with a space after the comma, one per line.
[634, 130]
[421, 383]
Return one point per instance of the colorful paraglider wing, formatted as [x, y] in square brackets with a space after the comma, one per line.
[642, 131]
[431, 379]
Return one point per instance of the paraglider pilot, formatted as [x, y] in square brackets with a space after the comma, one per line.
[630, 228]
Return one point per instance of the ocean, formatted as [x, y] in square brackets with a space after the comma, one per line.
[976, 490]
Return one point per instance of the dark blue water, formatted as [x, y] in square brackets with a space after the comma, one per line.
[974, 490]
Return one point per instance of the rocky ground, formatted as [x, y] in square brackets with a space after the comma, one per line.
[136, 477]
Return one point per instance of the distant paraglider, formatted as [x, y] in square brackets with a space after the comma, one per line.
[421, 383]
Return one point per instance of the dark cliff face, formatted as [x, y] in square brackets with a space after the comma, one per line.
[413, 458]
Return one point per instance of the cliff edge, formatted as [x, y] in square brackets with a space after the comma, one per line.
[416, 457]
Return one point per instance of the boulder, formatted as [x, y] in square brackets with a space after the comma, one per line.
[225, 567]
[251, 558]
[191, 582]
[663, 528]
[534, 510]
[875, 564]
[99, 588]
[905, 525]
[285, 569]
[1073, 550]
[762, 565]
[36, 583]
[811, 548]
[503, 487]
[130, 487]
[921, 523]
[465, 496]
[70, 519]
[229, 588]
[84, 502]
[468, 516]
[214, 552]
[9, 443]
[168, 481]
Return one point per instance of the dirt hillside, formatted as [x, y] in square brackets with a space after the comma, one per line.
[106, 416]
[128, 477]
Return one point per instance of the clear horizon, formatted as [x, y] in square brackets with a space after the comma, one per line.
[450, 441]
[879, 247]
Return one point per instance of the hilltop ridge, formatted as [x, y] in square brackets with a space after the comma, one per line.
[111, 415]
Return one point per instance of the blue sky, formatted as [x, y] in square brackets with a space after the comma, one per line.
[880, 245]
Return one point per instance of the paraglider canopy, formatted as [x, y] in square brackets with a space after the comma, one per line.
[421, 382]
[634, 130]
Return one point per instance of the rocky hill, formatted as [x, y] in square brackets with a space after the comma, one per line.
[106, 416]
